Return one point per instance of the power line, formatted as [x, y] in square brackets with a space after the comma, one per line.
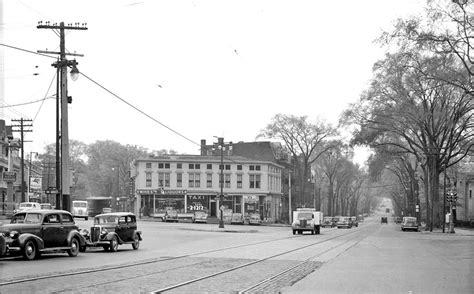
[24, 50]
[139, 110]
[25, 103]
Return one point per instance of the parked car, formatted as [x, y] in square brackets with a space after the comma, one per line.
[200, 217]
[80, 208]
[384, 220]
[397, 220]
[46, 206]
[344, 222]
[354, 221]
[237, 219]
[34, 232]
[111, 230]
[171, 215]
[307, 219]
[255, 219]
[328, 221]
[409, 223]
[25, 206]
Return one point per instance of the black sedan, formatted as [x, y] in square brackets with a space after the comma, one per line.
[34, 232]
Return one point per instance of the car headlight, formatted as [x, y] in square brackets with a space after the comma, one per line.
[104, 232]
[14, 234]
[84, 232]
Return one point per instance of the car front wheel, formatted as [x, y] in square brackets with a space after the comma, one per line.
[113, 244]
[30, 250]
[74, 248]
[136, 242]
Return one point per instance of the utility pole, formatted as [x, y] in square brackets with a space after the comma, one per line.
[221, 145]
[289, 198]
[22, 130]
[62, 64]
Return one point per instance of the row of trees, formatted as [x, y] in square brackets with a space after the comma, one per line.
[416, 115]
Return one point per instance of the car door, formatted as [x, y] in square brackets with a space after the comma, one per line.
[52, 231]
[122, 228]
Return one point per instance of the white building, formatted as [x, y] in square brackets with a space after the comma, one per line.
[191, 182]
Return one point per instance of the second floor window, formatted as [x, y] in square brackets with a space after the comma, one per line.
[179, 180]
[194, 180]
[239, 181]
[148, 179]
[254, 181]
[227, 180]
[148, 165]
[163, 179]
[209, 181]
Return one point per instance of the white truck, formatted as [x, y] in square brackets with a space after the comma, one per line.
[307, 219]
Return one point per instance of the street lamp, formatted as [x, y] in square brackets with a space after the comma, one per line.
[221, 146]
[74, 71]
[118, 185]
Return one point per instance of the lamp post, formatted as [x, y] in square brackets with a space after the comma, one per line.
[118, 186]
[221, 145]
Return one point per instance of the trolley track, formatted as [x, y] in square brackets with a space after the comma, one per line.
[132, 277]
[258, 261]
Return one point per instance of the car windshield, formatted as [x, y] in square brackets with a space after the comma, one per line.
[23, 205]
[344, 219]
[111, 219]
[79, 204]
[305, 215]
[46, 206]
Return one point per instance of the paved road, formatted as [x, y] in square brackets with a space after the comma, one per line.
[392, 261]
[375, 258]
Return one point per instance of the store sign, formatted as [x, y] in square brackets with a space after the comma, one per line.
[9, 176]
[197, 202]
[251, 198]
[35, 183]
[161, 191]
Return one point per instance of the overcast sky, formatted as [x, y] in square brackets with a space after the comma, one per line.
[202, 68]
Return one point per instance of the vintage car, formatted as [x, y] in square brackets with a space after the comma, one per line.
[354, 221]
[328, 221]
[255, 219]
[237, 219]
[384, 220]
[111, 230]
[106, 210]
[307, 219]
[80, 208]
[25, 206]
[34, 232]
[171, 215]
[344, 222]
[200, 217]
[409, 223]
[397, 220]
[46, 206]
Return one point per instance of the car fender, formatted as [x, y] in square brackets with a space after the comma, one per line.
[72, 234]
[110, 236]
[139, 233]
[26, 236]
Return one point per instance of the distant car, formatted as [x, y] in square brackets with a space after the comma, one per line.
[111, 230]
[80, 208]
[25, 206]
[237, 219]
[397, 220]
[344, 222]
[255, 219]
[34, 232]
[106, 210]
[46, 206]
[409, 223]
[384, 220]
[200, 217]
[328, 221]
[354, 221]
[171, 215]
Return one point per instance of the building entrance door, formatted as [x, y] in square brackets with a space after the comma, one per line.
[213, 208]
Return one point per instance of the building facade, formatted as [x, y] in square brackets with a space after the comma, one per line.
[188, 183]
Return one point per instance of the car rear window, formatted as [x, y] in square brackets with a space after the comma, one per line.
[305, 215]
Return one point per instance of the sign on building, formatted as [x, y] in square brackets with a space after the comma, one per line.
[36, 183]
[9, 176]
